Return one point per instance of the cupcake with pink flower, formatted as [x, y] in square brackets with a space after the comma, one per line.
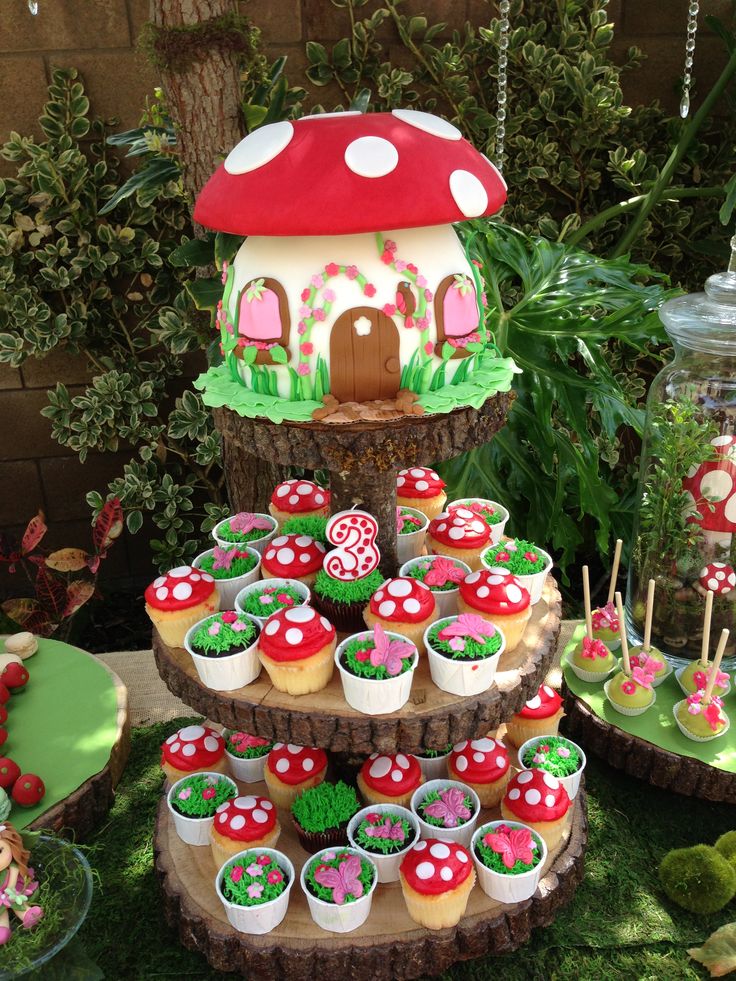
[242, 822]
[223, 648]
[245, 528]
[254, 886]
[193, 802]
[232, 568]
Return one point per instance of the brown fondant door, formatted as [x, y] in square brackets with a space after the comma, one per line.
[364, 356]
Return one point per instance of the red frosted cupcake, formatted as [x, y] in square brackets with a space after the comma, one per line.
[241, 823]
[496, 595]
[436, 879]
[178, 600]
[302, 498]
[539, 800]
[540, 717]
[422, 489]
[403, 605]
[482, 764]
[389, 779]
[293, 557]
[291, 769]
[193, 749]
[460, 534]
[296, 647]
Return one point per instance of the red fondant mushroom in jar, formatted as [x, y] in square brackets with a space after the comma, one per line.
[459, 533]
[712, 487]
[299, 497]
[293, 557]
[718, 577]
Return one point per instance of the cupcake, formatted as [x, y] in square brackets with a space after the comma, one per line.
[193, 749]
[484, 766]
[404, 605]
[296, 647]
[384, 833]
[223, 648]
[376, 670]
[433, 761]
[508, 858]
[342, 601]
[495, 515]
[525, 560]
[243, 822]
[178, 600]
[606, 626]
[299, 497]
[293, 557]
[411, 532]
[463, 653]
[254, 889]
[321, 815]
[538, 800]
[291, 769]
[246, 755]
[260, 599]
[245, 528]
[460, 534]
[232, 568]
[496, 595]
[700, 722]
[630, 694]
[339, 886]
[591, 660]
[446, 809]
[694, 677]
[436, 880]
[443, 575]
[193, 801]
[652, 661]
[312, 525]
[421, 488]
[389, 779]
[540, 717]
[561, 757]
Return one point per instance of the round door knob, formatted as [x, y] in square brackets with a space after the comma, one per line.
[392, 365]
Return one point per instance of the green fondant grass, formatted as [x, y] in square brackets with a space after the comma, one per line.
[354, 591]
[433, 754]
[238, 538]
[324, 892]
[548, 747]
[516, 563]
[256, 607]
[473, 650]
[490, 375]
[236, 879]
[240, 566]
[310, 525]
[230, 637]
[494, 860]
[328, 805]
[362, 668]
[408, 522]
[201, 802]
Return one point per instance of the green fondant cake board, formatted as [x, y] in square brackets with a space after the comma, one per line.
[657, 725]
[63, 725]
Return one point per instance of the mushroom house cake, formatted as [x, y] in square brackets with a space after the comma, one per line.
[352, 288]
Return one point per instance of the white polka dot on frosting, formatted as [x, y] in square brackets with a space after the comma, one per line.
[222, 818]
[427, 122]
[461, 764]
[190, 733]
[304, 489]
[548, 691]
[266, 805]
[271, 554]
[397, 776]
[460, 746]
[305, 557]
[294, 499]
[237, 822]
[308, 764]
[500, 761]
[464, 513]
[549, 800]
[272, 627]
[400, 481]
[478, 527]
[379, 596]
[534, 703]
[211, 744]
[371, 156]
[442, 527]
[319, 498]
[482, 592]
[282, 490]
[420, 846]
[282, 766]
[514, 793]
[188, 749]
[425, 870]
[479, 757]
[468, 193]
[473, 577]
[412, 606]
[300, 614]
[439, 850]
[285, 556]
[173, 738]
[195, 577]
[461, 856]
[532, 797]
[513, 593]
[399, 587]
[304, 541]
[259, 816]
[422, 485]
[181, 572]
[485, 745]
[162, 593]
[525, 776]
[552, 782]
[175, 747]
[446, 873]
[294, 749]
[387, 608]
[281, 540]
[259, 148]
[245, 803]
[456, 534]
[159, 582]
[325, 623]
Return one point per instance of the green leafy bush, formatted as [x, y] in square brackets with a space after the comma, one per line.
[699, 879]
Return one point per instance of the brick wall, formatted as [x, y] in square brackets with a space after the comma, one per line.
[98, 38]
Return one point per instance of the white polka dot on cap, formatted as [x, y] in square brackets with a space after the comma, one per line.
[191, 733]
[211, 744]
[282, 765]
[439, 850]
[525, 776]
[380, 767]
[461, 856]
[293, 636]
[549, 800]
[399, 587]
[420, 846]
[532, 797]
[425, 870]
[188, 749]
[461, 764]
[308, 764]
[387, 608]
[552, 782]
[182, 591]
[534, 703]
[237, 822]
[300, 614]
[446, 873]
[244, 803]
[272, 627]
[285, 556]
[412, 606]
[473, 577]
[402, 761]
[259, 816]
[514, 793]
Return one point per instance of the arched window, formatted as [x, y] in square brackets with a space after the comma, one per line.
[455, 312]
[263, 316]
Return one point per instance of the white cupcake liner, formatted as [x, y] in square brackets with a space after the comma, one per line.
[624, 709]
[590, 676]
[226, 672]
[433, 767]
[462, 677]
[247, 771]
[533, 582]
[497, 529]
[680, 671]
[193, 831]
[369, 695]
[387, 865]
[330, 916]
[410, 546]
[461, 835]
[692, 736]
[228, 589]
[265, 917]
[571, 783]
[508, 888]
[296, 584]
[259, 545]
[445, 599]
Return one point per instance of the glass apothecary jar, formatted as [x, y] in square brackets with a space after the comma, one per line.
[685, 529]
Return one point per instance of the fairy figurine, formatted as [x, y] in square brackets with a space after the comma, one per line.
[17, 883]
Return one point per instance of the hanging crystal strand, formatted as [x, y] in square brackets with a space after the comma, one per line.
[687, 80]
[503, 46]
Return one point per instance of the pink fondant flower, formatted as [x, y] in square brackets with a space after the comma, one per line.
[254, 869]
[229, 616]
[244, 522]
[302, 328]
[236, 873]
[285, 599]
[352, 272]
[399, 265]
[428, 295]
[605, 618]
[185, 794]
[422, 323]
[563, 752]
[389, 309]
[307, 348]
[306, 293]
[421, 282]
[412, 268]
[389, 245]
[328, 296]
[373, 817]
[502, 557]
[713, 716]
[208, 793]
[593, 648]
[263, 860]
[642, 677]
[428, 347]
[305, 311]
[255, 890]
[387, 258]
[628, 687]
[513, 846]
[214, 629]
[303, 369]
[317, 280]
[244, 740]
[531, 556]
[539, 758]
[369, 289]
[319, 314]
[362, 654]
[274, 877]
[408, 321]
[468, 625]
[332, 269]
[239, 626]
[457, 644]
[329, 856]
[223, 558]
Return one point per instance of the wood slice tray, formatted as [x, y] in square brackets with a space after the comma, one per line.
[642, 759]
[389, 945]
[431, 718]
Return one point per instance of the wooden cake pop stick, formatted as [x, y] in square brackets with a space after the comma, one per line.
[706, 628]
[586, 601]
[614, 569]
[648, 619]
[622, 633]
[716, 667]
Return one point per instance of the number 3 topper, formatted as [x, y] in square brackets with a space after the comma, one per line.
[355, 556]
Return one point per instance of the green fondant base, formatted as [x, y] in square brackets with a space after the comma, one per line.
[657, 725]
[64, 724]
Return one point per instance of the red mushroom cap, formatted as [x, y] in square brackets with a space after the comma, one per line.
[459, 527]
[193, 748]
[392, 776]
[495, 591]
[543, 705]
[294, 633]
[432, 867]
[180, 588]
[345, 173]
[291, 556]
[14, 675]
[298, 496]
[713, 487]
[535, 795]
[419, 482]
[294, 764]
[9, 772]
[480, 760]
[718, 577]
[28, 790]
[403, 600]
[245, 818]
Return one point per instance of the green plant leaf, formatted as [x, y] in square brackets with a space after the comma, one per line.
[195, 252]
[278, 354]
[205, 293]
[225, 247]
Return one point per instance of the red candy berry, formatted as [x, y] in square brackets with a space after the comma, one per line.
[9, 772]
[14, 675]
[3, 735]
[3, 715]
[4, 693]
[28, 790]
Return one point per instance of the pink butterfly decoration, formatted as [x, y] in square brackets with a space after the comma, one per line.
[401, 520]
[450, 808]
[443, 571]
[642, 677]
[343, 880]
[605, 617]
[389, 653]
[701, 679]
[468, 625]
[223, 558]
[386, 830]
[245, 522]
[513, 846]
[593, 648]
[244, 740]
